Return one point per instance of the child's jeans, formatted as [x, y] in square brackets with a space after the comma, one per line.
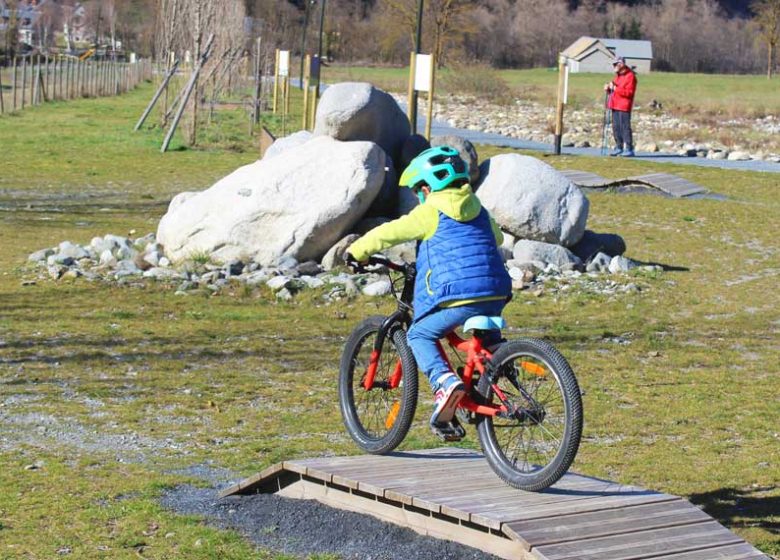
[423, 334]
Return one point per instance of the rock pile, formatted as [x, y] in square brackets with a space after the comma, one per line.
[532, 121]
[285, 221]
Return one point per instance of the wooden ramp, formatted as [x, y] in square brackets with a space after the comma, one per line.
[665, 183]
[452, 494]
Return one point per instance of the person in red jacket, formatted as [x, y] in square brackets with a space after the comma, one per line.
[621, 101]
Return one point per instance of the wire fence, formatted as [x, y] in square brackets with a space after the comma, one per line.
[31, 81]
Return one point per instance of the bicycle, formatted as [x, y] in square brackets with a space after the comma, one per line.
[522, 395]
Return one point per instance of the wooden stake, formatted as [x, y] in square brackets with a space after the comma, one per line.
[276, 80]
[258, 83]
[412, 69]
[305, 86]
[188, 91]
[429, 116]
[24, 82]
[2, 102]
[14, 84]
[559, 107]
[35, 80]
[163, 87]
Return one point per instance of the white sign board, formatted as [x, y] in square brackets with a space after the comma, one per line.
[422, 72]
[284, 63]
[566, 85]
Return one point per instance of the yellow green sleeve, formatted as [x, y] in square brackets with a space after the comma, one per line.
[420, 223]
[497, 232]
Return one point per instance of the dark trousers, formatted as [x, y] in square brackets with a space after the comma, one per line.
[621, 129]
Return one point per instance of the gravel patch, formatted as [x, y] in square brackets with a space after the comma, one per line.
[304, 527]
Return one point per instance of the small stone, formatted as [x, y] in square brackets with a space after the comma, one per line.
[378, 288]
[278, 282]
[284, 294]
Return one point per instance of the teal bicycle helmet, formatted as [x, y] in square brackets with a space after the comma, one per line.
[437, 168]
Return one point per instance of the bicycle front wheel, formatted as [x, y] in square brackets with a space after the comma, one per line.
[532, 445]
[377, 418]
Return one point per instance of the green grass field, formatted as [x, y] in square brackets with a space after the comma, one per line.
[686, 94]
[107, 392]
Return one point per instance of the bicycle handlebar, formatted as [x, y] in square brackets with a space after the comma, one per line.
[384, 261]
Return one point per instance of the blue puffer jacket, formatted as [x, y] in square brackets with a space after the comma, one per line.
[460, 263]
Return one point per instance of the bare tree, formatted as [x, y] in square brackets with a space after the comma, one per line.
[767, 20]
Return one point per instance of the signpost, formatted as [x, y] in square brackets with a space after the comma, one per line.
[421, 78]
[563, 95]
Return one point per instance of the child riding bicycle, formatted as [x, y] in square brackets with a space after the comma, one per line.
[460, 271]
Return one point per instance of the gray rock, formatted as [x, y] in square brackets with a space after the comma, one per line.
[301, 204]
[621, 264]
[158, 273]
[412, 147]
[738, 156]
[367, 224]
[68, 249]
[284, 294]
[283, 144]
[386, 201]
[599, 263]
[531, 200]
[256, 278]
[309, 268]
[278, 282]
[592, 243]
[359, 111]
[335, 255]
[107, 258]
[59, 259]
[407, 201]
[378, 288]
[466, 150]
[312, 281]
[405, 252]
[40, 256]
[529, 251]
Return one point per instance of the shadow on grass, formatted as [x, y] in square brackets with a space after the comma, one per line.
[741, 507]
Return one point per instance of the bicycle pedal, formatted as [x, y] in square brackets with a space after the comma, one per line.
[449, 431]
[466, 416]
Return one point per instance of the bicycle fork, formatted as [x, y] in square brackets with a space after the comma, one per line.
[373, 363]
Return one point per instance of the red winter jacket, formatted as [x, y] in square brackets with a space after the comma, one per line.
[622, 98]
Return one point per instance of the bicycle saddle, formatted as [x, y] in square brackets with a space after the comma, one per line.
[484, 323]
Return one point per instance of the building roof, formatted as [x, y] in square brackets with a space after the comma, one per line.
[629, 49]
[610, 47]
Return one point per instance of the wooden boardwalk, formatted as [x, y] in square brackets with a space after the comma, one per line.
[451, 493]
[666, 183]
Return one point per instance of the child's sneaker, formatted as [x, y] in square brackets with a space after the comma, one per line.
[449, 392]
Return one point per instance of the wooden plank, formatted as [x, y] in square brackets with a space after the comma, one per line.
[671, 184]
[505, 515]
[248, 484]
[604, 523]
[420, 523]
[586, 178]
[643, 544]
[741, 551]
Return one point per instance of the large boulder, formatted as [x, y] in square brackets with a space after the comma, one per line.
[359, 111]
[531, 200]
[466, 150]
[295, 206]
[283, 144]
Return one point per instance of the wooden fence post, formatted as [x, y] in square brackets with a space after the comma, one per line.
[2, 102]
[24, 82]
[35, 80]
[14, 84]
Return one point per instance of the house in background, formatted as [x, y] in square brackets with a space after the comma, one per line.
[589, 54]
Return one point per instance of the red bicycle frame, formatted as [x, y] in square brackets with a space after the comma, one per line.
[476, 355]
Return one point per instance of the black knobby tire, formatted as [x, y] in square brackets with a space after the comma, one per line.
[533, 449]
[379, 419]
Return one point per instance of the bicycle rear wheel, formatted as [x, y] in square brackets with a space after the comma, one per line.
[377, 419]
[534, 444]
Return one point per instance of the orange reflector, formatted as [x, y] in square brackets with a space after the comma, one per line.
[392, 415]
[533, 368]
